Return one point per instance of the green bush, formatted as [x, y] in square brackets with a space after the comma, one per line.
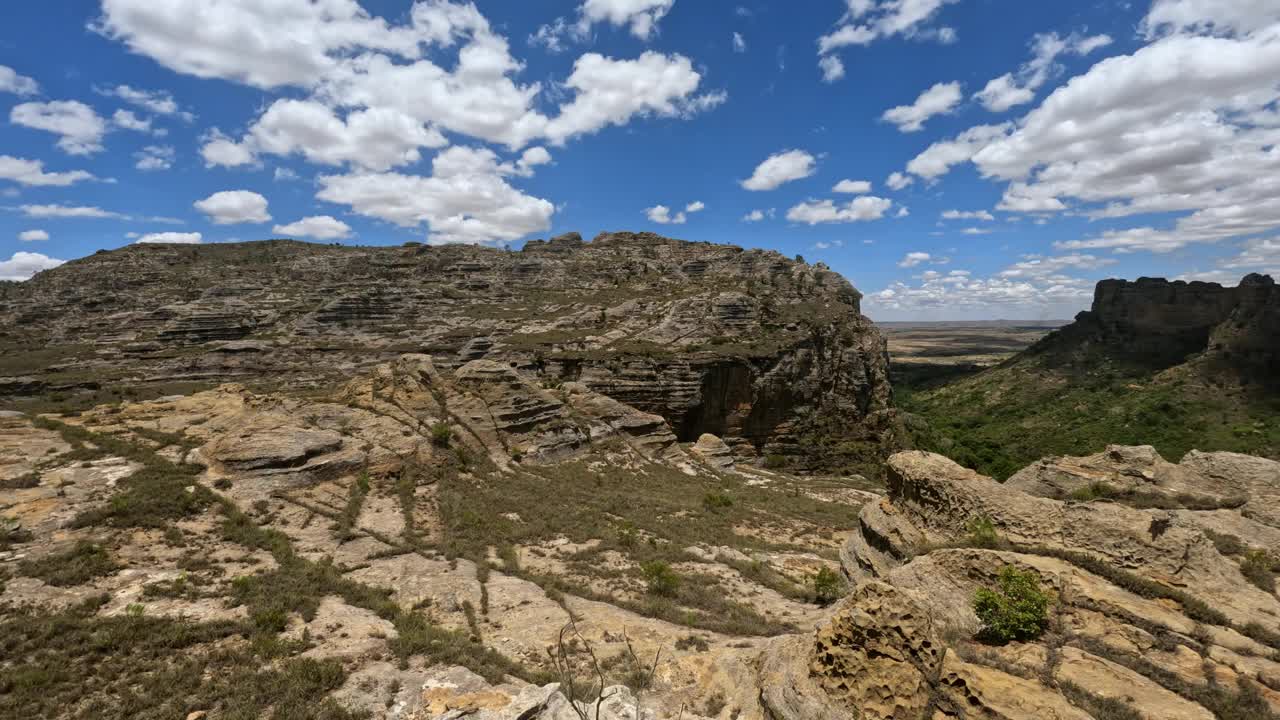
[441, 434]
[828, 586]
[982, 533]
[775, 462]
[1260, 567]
[1018, 610]
[660, 579]
[716, 500]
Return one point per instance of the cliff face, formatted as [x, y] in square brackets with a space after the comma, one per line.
[1157, 324]
[745, 344]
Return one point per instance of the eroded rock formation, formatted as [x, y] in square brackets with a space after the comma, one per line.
[744, 344]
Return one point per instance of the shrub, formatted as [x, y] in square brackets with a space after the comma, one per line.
[1092, 491]
[1018, 610]
[828, 586]
[1259, 567]
[660, 579]
[982, 533]
[441, 434]
[76, 566]
[716, 500]
[775, 461]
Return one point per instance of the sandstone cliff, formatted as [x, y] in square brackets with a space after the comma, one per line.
[744, 344]
[1156, 324]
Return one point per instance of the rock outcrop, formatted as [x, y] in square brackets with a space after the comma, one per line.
[743, 344]
[1157, 323]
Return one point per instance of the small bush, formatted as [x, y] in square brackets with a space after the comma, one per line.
[1018, 610]
[1092, 491]
[1260, 567]
[715, 501]
[828, 586]
[441, 434]
[982, 533]
[775, 461]
[660, 579]
[12, 533]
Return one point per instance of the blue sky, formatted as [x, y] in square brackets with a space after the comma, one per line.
[1001, 155]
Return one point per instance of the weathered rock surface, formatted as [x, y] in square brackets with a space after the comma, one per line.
[744, 344]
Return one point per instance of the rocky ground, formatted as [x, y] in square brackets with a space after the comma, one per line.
[436, 543]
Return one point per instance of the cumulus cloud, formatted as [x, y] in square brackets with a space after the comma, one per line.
[739, 43]
[80, 128]
[913, 259]
[866, 21]
[1036, 287]
[661, 214]
[23, 265]
[376, 139]
[33, 235]
[230, 207]
[859, 209]
[612, 92]
[941, 99]
[1214, 17]
[853, 187]
[12, 82]
[758, 215]
[178, 238]
[31, 172]
[941, 156]
[466, 199]
[780, 168]
[832, 68]
[155, 157]
[127, 120]
[967, 215]
[641, 16]
[320, 227]
[898, 181]
[1012, 89]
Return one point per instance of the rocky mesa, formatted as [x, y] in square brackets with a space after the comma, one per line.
[758, 349]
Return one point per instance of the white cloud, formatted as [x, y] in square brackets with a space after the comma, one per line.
[179, 238]
[612, 92]
[1220, 17]
[695, 206]
[466, 199]
[898, 181]
[832, 68]
[531, 158]
[33, 235]
[1036, 266]
[780, 168]
[22, 265]
[967, 215]
[976, 231]
[853, 187]
[320, 227]
[1006, 91]
[866, 21]
[913, 259]
[376, 139]
[126, 120]
[31, 172]
[80, 128]
[234, 206]
[641, 16]
[661, 214]
[863, 208]
[285, 175]
[758, 215]
[824, 245]
[70, 211]
[155, 157]
[940, 157]
[12, 82]
[940, 99]
[220, 150]
[158, 102]
[739, 43]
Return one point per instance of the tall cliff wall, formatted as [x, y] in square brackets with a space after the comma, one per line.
[1158, 323]
[746, 344]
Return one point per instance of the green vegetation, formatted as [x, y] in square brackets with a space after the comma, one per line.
[1003, 419]
[12, 533]
[344, 527]
[982, 533]
[660, 579]
[77, 664]
[441, 434]
[1017, 610]
[828, 586]
[1260, 568]
[76, 566]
